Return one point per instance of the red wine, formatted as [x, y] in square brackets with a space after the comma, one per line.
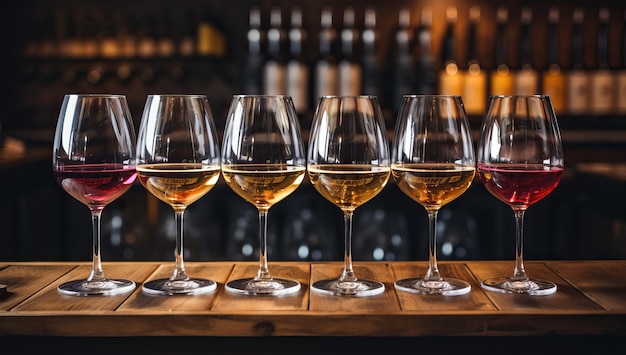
[519, 184]
[95, 185]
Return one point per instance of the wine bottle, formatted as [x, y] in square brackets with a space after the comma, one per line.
[620, 98]
[501, 80]
[526, 78]
[553, 81]
[371, 61]
[425, 71]
[275, 69]
[450, 79]
[577, 78]
[475, 79]
[297, 67]
[349, 64]
[326, 71]
[253, 67]
[601, 102]
[146, 45]
[402, 60]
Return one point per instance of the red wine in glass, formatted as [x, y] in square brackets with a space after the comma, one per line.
[93, 160]
[520, 161]
[521, 185]
[95, 184]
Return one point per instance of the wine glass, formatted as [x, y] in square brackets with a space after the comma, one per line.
[520, 161]
[263, 162]
[348, 164]
[432, 162]
[178, 162]
[94, 161]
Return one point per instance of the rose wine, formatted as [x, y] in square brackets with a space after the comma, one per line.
[95, 185]
[433, 185]
[519, 185]
[348, 185]
[178, 184]
[263, 184]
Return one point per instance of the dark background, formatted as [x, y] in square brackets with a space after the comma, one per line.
[582, 219]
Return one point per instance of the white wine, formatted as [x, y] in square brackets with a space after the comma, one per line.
[433, 185]
[348, 185]
[263, 184]
[178, 184]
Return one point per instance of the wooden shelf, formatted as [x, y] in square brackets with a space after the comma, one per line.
[589, 301]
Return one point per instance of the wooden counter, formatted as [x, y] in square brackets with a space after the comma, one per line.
[590, 301]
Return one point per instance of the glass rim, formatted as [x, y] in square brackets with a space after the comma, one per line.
[538, 96]
[261, 96]
[432, 96]
[178, 95]
[365, 96]
[95, 95]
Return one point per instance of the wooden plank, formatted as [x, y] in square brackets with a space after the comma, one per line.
[49, 299]
[602, 281]
[566, 298]
[298, 301]
[24, 280]
[475, 300]
[386, 302]
[146, 303]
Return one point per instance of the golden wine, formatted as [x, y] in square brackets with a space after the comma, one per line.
[433, 185]
[348, 185]
[178, 184]
[263, 184]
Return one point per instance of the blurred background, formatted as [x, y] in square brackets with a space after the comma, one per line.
[573, 50]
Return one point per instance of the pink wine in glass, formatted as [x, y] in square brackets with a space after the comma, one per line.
[95, 184]
[519, 185]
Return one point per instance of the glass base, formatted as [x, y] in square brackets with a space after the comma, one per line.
[107, 287]
[528, 287]
[357, 288]
[447, 287]
[167, 287]
[268, 287]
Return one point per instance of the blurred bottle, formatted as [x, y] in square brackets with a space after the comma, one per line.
[88, 35]
[128, 36]
[165, 45]
[70, 44]
[402, 62]
[371, 64]
[146, 43]
[187, 35]
[501, 79]
[621, 76]
[425, 72]
[110, 47]
[474, 78]
[210, 41]
[253, 67]
[297, 66]
[602, 91]
[577, 77]
[275, 68]
[526, 77]
[349, 64]
[553, 81]
[326, 70]
[450, 79]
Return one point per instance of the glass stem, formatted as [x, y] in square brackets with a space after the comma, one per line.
[96, 269]
[348, 272]
[432, 274]
[179, 272]
[264, 272]
[519, 274]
